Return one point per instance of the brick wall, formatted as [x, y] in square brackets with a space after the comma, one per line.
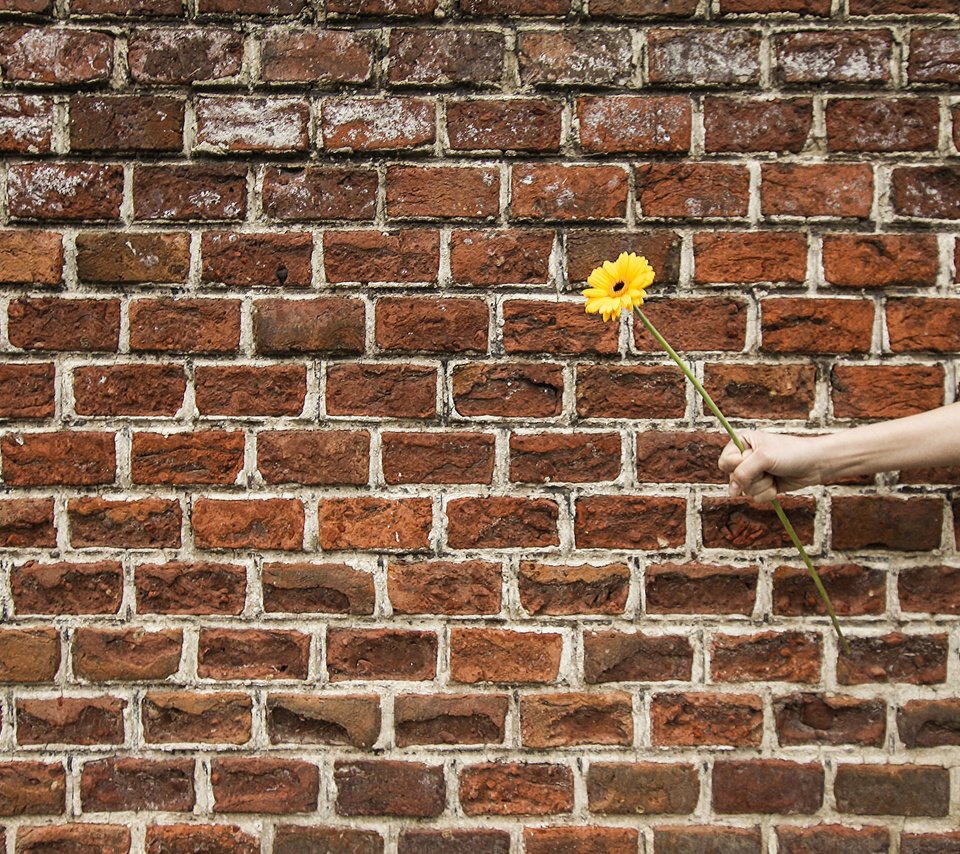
[329, 522]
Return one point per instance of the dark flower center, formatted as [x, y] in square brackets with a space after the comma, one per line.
[619, 286]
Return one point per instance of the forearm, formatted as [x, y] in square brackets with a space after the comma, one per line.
[918, 441]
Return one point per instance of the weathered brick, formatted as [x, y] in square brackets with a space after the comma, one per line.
[721, 840]
[168, 325]
[377, 124]
[191, 838]
[379, 8]
[767, 786]
[379, 524]
[65, 191]
[829, 719]
[575, 57]
[771, 256]
[747, 124]
[32, 788]
[630, 522]
[394, 654]
[273, 786]
[934, 54]
[389, 788]
[126, 258]
[632, 391]
[547, 589]
[502, 522]
[252, 654]
[907, 790]
[178, 717]
[27, 523]
[432, 325]
[69, 720]
[107, 838]
[800, 325]
[668, 457]
[564, 458]
[841, 190]
[424, 192]
[926, 191]
[54, 323]
[132, 8]
[886, 522]
[268, 390]
[270, 523]
[565, 720]
[929, 843]
[610, 656]
[768, 656]
[502, 655]
[190, 588]
[183, 55]
[66, 587]
[418, 457]
[240, 124]
[779, 391]
[316, 56]
[930, 589]
[198, 191]
[300, 719]
[144, 523]
[117, 784]
[580, 840]
[445, 57]
[516, 788]
[929, 723]
[411, 255]
[820, 8]
[297, 838]
[586, 249]
[29, 257]
[514, 124]
[56, 55]
[879, 125]
[204, 457]
[531, 326]
[444, 587]
[250, 7]
[894, 657]
[450, 719]
[923, 325]
[520, 8]
[27, 390]
[108, 655]
[323, 457]
[642, 124]
[694, 720]
[26, 124]
[126, 123]
[29, 655]
[69, 458]
[735, 523]
[859, 57]
[642, 788]
[880, 260]
[692, 190]
[320, 193]
[302, 588]
[831, 837]
[697, 588]
[854, 590]
[645, 8]
[704, 56]
[860, 391]
[248, 260]
[129, 390]
[508, 390]
[575, 193]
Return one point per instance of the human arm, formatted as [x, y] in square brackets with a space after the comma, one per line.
[773, 463]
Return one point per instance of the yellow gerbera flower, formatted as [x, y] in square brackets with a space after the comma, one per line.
[618, 285]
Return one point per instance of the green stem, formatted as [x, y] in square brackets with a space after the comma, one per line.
[777, 508]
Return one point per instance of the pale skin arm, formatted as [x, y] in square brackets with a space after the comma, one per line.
[773, 463]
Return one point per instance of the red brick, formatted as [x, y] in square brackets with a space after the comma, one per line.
[907, 790]
[498, 258]
[447, 57]
[445, 587]
[899, 7]
[204, 457]
[110, 655]
[630, 522]
[831, 837]
[268, 390]
[129, 390]
[65, 191]
[929, 843]
[840, 56]
[886, 522]
[73, 839]
[645, 8]
[930, 589]
[514, 124]
[841, 190]
[546, 589]
[58, 55]
[32, 788]
[770, 256]
[145, 523]
[240, 124]
[252, 654]
[935, 53]
[138, 8]
[179, 717]
[516, 788]
[768, 656]
[923, 325]
[63, 458]
[39, 7]
[411, 255]
[854, 590]
[816, 326]
[580, 840]
[67, 588]
[378, 524]
[432, 325]
[303, 588]
[880, 260]
[378, 8]
[27, 390]
[382, 390]
[327, 457]
[564, 458]
[532, 326]
[556, 57]
[567, 720]
[168, 325]
[704, 56]
[126, 123]
[27, 523]
[634, 657]
[316, 56]
[31, 258]
[722, 840]
[695, 720]
[502, 522]
[569, 193]
[320, 193]
[377, 124]
[193, 838]
[692, 190]
[29, 655]
[450, 719]
[642, 788]
[690, 325]
[251, 7]
[820, 8]
[181, 55]
[395, 654]
[69, 720]
[587, 248]
[631, 391]
[325, 325]
[861, 391]
[271, 523]
[420, 192]
[667, 457]
[125, 258]
[767, 786]
[641, 124]
[54, 323]
[520, 8]
[929, 723]
[26, 124]
[249, 260]
[294, 839]
[926, 191]
[697, 588]
[762, 391]
[735, 523]
[137, 784]
[829, 719]
[895, 657]
[502, 655]
[748, 124]
[274, 786]
[198, 191]
[300, 719]
[190, 588]
[389, 788]
[878, 125]
[418, 457]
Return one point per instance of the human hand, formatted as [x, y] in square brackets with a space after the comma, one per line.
[770, 464]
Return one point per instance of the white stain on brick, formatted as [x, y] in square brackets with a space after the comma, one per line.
[242, 124]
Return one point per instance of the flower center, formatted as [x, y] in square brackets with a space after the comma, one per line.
[619, 286]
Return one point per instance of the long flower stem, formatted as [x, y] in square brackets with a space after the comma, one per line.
[777, 508]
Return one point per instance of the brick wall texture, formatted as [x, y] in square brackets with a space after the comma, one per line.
[329, 522]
